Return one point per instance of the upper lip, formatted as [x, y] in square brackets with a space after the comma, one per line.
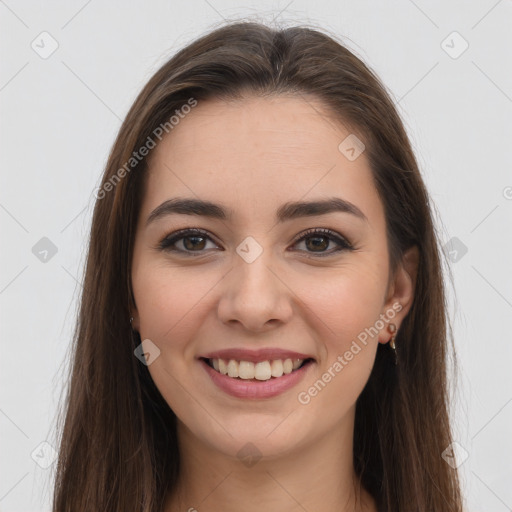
[255, 356]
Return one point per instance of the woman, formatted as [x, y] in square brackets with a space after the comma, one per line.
[263, 321]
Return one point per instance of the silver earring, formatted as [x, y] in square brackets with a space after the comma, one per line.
[392, 344]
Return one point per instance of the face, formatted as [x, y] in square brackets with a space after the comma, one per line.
[262, 274]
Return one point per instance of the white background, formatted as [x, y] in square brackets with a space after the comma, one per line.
[59, 117]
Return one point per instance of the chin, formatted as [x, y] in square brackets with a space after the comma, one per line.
[255, 435]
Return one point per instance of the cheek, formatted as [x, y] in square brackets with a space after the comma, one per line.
[171, 302]
[347, 300]
[344, 314]
[345, 306]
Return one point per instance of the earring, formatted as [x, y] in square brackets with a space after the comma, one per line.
[393, 331]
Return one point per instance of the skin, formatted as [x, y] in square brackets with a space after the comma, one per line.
[252, 156]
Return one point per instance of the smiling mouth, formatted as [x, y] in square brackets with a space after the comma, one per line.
[260, 371]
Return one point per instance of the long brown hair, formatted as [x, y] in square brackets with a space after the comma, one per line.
[118, 445]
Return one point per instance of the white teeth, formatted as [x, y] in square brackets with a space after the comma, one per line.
[277, 368]
[246, 370]
[232, 368]
[262, 370]
[223, 367]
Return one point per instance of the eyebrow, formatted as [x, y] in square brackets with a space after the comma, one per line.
[288, 211]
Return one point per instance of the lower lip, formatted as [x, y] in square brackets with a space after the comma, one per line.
[254, 389]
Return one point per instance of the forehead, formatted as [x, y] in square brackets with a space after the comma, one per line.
[259, 153]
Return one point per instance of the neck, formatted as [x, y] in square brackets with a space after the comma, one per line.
[317, 476]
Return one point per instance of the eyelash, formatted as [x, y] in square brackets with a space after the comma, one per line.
[167, 243]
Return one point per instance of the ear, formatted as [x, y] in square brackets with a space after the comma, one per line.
[400, 292]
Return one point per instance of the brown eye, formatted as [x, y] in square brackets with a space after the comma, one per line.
[194, 242]
[317, 241]
[186, 242]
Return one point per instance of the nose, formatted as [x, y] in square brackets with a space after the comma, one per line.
[255, 296]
